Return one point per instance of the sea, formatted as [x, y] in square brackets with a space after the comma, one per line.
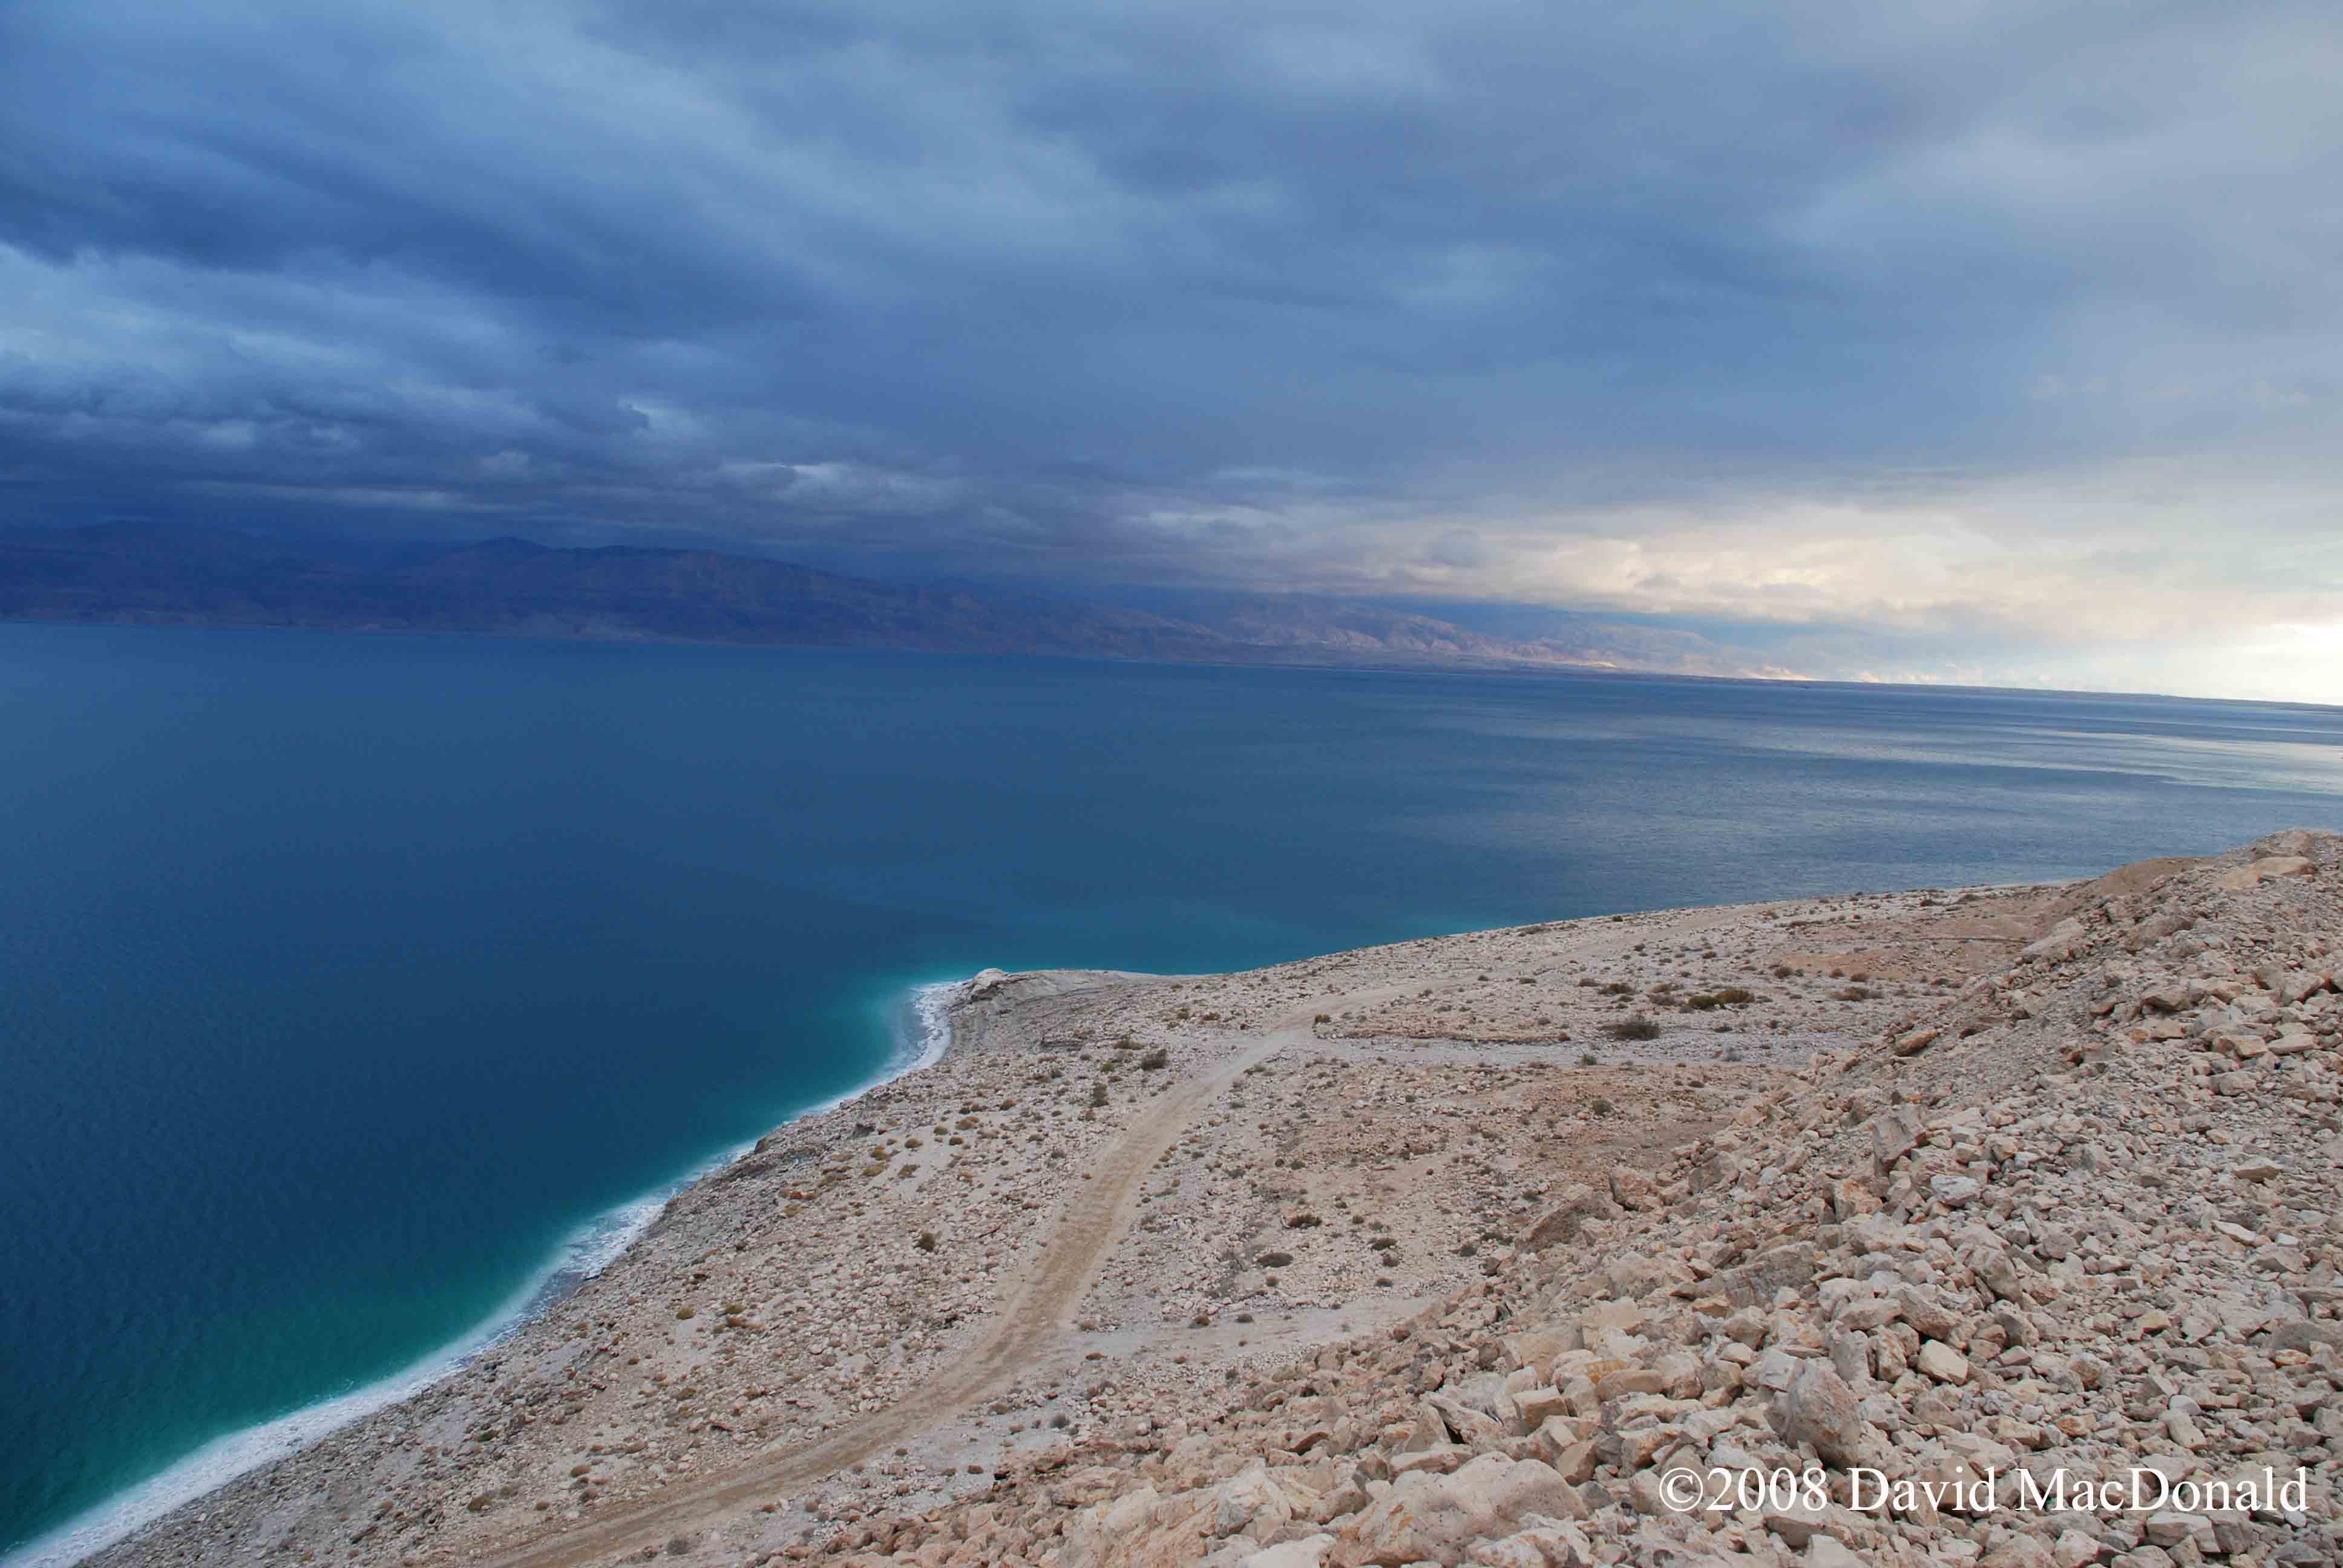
[360, 993]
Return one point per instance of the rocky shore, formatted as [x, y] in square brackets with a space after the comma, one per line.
[1466, 1250]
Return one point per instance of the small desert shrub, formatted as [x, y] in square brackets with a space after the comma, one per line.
[1618, 988]
[1323, 1017]
[1703, 1002]
[1602, 1106]
[1154, 1058]
[1854, 993]
[1736, 996]
[1588, 1059]
[1636, 1027]
[1783, 971]
[927, 1242]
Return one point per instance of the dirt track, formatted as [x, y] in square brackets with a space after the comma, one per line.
[1093, 1222]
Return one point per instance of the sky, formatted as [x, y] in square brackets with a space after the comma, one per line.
[1948, 340]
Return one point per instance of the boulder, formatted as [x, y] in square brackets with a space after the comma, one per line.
[1251, 1503]
[2270, 868]
[1754, 1284]
[1566, 1221]
[1436, 1517]
[1894, 1134]
[1941, 1361]
[1818, 1408]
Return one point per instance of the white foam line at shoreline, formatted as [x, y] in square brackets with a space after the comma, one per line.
[586, 1253]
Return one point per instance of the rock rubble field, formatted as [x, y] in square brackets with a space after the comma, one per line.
[1996, 1226]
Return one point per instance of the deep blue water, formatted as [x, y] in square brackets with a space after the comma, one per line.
[344, 981]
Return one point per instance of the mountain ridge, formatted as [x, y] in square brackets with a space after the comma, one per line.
[155, 575]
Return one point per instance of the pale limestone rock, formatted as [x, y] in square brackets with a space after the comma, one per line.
[1894, 1134]
[1566, 1221]
[1955, 1192]
[1630, 1189]
[1823, 1552]
[1310, 1551]
[1557, 1443]
[2244, 879]
[1252, 1503]
[2171, 1528]
[1819, 1409]
[1535, 1349]
[1471, 1428]
[2066, 938]
[2020, 1552]
[1440, 1458]
[1943, 1362]
[1536, 1405]
[1850, 1356]
[1437, 1516]
[1564, 1545]
[2074, 1549]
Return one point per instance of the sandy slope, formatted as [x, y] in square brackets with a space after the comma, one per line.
[1094, 1217]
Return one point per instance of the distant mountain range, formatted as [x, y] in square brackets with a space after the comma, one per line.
[160, 576]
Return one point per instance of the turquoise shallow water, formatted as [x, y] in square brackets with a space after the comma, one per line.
[350, 986]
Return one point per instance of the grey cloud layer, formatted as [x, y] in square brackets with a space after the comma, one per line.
[1480, 298]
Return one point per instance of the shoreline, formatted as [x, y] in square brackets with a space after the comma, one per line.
[851, 1317]
[581, 1256]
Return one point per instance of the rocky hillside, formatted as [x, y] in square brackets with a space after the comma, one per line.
[157, 576]
[2047, 1274]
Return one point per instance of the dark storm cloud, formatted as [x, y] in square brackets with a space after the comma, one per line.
[1476, 298]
